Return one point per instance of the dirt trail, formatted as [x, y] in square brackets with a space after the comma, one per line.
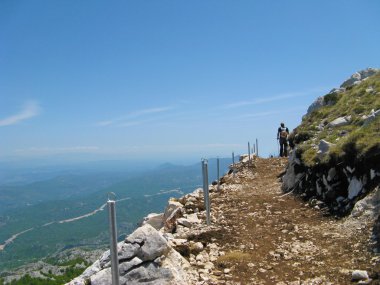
[272, 238]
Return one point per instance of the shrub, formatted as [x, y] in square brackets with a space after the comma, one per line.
[331, 99]
[302, 136]
[359, 109]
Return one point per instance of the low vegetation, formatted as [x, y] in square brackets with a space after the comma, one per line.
[70, 269]
[233, 256]
[355, 102]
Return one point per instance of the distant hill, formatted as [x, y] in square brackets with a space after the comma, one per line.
[57, 188]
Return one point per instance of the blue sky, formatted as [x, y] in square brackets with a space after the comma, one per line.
[170, 80]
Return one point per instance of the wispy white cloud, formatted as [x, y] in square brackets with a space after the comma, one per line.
[56, 150]
[149, 111]
[131, 123]
[260, 114]
[237, 104]
[125, 121]
[274, 98]
[279, 97]
[29, 110]
[105, 123]
[179, 147]
[269, 113]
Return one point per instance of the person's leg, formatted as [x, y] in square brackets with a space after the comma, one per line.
[285, 149]
[281, 148]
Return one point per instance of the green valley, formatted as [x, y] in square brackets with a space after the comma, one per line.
[139, 195]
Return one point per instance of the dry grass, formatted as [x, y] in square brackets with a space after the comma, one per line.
[355, 102]
[234, 256]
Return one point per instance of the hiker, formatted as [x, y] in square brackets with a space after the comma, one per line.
[282, 137]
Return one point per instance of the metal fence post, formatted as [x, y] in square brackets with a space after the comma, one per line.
[218, 170]
[233, 164]
[206, 190]
[249, 153]
[113, 239]
[257, 147]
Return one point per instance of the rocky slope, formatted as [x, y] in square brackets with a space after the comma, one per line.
[336, 157]
[258, 235]
[58, 267]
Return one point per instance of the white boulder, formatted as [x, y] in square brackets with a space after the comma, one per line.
[155, 220]
[145, 258]
[342, 121]
[357, 77]
[359, 275]
[368, 119]
[354, 188]
[170, 208]
[152, 243]
[369, 206]
[323, 147]
[318, 103]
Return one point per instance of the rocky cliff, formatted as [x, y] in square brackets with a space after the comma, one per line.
[336, 157]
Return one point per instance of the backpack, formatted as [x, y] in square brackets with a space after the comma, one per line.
[283, 133]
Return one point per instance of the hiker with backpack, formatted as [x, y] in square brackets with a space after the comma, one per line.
[282, 137]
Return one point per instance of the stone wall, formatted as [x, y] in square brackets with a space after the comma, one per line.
[335, 186]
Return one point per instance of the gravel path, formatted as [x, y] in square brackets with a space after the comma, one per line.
[272, 238]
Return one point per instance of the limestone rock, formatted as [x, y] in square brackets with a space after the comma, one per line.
[102, 277]
[182, 272]
[152, 244]
[171, 222]
[318, 103]
[354, 188]
[155, 220]
[324, 147]
[359, 275]
[184, 222]
[149, 273]
[337, 90]
[193, 218]
[196, 247]
[357, 77]
[170, 208]
[291, 178]
[371, 117]
[125, 251]
[341, 121]
[368, 207]
[145, 258]
[124, 267]
[90, 271]
[181, 246]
